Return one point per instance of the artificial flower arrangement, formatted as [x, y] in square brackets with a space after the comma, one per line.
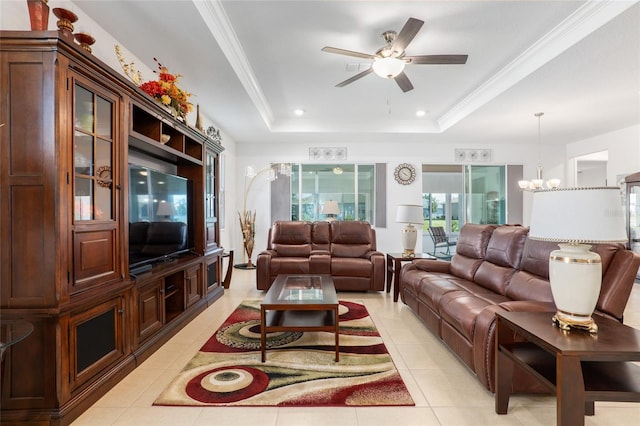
[164, 90]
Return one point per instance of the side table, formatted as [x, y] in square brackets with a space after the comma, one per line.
[578, 367]
[394, 268]
[227, 277]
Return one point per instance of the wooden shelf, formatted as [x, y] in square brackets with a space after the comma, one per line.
[146, 135]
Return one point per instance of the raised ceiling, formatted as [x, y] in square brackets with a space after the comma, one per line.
[252, 63]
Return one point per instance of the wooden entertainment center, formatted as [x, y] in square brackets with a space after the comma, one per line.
[69, 125]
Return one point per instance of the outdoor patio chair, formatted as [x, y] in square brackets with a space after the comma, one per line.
[440, 239]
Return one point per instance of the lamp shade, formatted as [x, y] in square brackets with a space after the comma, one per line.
[578, 215]
[165, 208]
[409, 213]
[388, 67]
[330, 207]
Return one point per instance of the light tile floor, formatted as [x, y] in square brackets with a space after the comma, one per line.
[444, 390]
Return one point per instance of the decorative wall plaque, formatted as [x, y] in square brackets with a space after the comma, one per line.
[328, 153]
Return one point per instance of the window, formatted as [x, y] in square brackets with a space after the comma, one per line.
[351, 185]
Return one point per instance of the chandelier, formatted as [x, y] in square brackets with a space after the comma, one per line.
[538, 182]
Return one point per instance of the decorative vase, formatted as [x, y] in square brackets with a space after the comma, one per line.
[85, 41]
[66, 18]
[38, 14]
[198, 119]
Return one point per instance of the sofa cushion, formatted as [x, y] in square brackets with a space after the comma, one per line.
[430, 288]
[473, 240]
[535, 258]
[291, 239]
[503, 255]
[351, 239]
[531, 282]
[471, 249]
[351, 267]
[289, 265]
[506, 245]
[461, 308]
[527, 286]
[321, 236]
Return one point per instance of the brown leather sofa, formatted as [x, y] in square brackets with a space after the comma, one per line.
[344, 249]
[499, 268]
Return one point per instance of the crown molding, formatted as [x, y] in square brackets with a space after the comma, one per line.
[584, 21]
[217, 21]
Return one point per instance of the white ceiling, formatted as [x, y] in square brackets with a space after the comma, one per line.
[251, 63]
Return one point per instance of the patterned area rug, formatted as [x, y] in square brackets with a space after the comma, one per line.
[300, 369]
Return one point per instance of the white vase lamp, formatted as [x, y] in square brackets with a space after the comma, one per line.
[573, 217]
[409, 214]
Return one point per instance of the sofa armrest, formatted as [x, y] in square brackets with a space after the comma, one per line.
[484, 335]
[617, 283]
[379, 270]
[370, 254]
[432, 265]
[263, 269]
[320, 252]
[269, 253]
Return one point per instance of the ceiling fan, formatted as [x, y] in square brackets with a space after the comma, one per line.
[389, 61]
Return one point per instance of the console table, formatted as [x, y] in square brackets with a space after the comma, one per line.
[577, 366]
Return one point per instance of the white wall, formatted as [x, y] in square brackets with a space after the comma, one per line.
[260, 156]
[623, 147]
[14, 16]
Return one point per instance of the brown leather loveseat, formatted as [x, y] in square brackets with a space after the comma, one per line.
[344, 249]
[499, 268]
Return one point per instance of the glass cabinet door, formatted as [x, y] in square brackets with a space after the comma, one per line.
[92, 156]
[210, 202]
[95, 232]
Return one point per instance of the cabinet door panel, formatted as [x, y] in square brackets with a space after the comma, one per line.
[94, 255]
[193, 283]
[96, 339]
[150, 309]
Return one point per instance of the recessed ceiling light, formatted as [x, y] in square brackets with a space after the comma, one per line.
[420, 113]
[298, 112]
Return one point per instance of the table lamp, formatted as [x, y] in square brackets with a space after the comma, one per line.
[330, 210]
[165, 211]
[575, 217]
[409, 214]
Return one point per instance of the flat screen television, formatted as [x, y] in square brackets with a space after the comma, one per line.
[160, 224]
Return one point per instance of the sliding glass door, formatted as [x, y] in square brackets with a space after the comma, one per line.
[485, 194]
[352, 186]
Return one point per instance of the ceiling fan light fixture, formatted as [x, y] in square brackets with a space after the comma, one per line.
[388, 67]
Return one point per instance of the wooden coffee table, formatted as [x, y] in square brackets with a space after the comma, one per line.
[299, 303]
[577, 366]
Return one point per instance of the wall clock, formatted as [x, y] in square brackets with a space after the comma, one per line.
[103, 175]
[405, 174]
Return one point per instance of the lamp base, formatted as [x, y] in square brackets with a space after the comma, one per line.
[409, 238]
[408, 253]
[575, 276]
[565, 321]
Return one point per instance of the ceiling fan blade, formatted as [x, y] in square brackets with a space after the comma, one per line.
[403, 82]
[437, 59]
[356, 77]
[406, 34]
[347, 52]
